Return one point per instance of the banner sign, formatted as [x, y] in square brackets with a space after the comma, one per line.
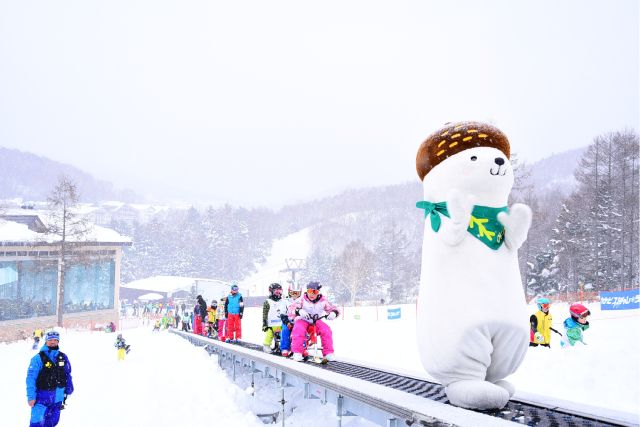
[623, 300]
[394, 313]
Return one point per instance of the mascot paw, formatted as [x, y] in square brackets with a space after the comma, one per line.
[516, 225]
[459, 206]
[507, 386]
[477, 394]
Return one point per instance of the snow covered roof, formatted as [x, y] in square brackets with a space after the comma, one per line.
[168, 283]
[18, 232]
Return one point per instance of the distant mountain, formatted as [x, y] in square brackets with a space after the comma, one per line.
[556, 172]
[31, 177]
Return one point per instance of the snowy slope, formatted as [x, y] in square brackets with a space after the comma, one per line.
[295, 245]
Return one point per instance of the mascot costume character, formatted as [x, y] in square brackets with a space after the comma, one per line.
[472, 316]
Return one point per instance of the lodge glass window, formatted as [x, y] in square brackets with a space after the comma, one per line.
[89, 286]
[27, 289]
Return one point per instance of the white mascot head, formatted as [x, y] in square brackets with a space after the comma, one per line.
[472, 319]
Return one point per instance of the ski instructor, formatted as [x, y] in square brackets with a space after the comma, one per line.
[48, 383]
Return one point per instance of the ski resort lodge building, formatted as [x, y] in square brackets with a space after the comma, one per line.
[30, 275]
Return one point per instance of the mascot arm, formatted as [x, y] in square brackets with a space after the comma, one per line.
[459, 206]
[516, 225]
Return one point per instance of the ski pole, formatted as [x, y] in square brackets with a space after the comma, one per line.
[556, 332]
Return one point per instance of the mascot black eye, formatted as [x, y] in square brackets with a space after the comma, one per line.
[474, 158]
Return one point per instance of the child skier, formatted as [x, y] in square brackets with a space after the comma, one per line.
[273, 307]
[37, 334]
[211, 318]
[577, 323]
[541, 322]
[308, 310]
[287, 324]
[122, 347]
[221, 315]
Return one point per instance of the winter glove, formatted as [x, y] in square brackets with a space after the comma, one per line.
[304, 315]
[265, 328]
[331, 315]
[240, 315]
[290, 325]
[64, 402]
[538, 337]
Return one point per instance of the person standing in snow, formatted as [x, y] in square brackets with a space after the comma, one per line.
[199, 315]
[577, 323]
[221, 316]
[211, 318]
[37, 334]
[49, 382]
[234, 307]
[274, 306]
[306, 311]
[287, 324]
[122, 347]
[541, 322]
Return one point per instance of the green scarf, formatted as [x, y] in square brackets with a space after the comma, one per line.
[484, 224]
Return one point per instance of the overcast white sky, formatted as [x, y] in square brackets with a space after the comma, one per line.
[264, 103]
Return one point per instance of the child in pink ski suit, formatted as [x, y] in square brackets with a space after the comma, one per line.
[310, 306]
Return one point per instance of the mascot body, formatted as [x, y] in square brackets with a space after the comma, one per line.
[472, 315]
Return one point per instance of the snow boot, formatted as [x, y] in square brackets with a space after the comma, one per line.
[297, 357]
[266, 348]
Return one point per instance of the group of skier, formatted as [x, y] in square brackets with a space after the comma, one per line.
[295, 319]
[288, 321]
[541, 325]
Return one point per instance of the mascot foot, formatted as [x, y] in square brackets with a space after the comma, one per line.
[476, 394]
[507, 386]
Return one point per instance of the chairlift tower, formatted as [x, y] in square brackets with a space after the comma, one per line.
[294, 265]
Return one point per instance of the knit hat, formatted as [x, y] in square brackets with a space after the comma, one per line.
[52, 335]
[456, 137]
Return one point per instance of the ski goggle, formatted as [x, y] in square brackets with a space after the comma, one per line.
[545, 306]
[584, 314]
[294, 294]
[313, 292]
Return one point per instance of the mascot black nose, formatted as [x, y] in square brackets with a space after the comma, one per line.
[499, 161]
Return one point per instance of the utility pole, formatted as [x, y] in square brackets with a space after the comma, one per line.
[294, 265]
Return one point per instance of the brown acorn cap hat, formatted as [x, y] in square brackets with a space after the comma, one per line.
[456, 137]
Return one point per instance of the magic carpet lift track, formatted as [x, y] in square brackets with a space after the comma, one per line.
[376, 408]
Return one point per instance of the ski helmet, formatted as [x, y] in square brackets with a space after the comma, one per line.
[119, 336]
[543, 302]
[214, 304]
[314, 285]
[294, 290]
[234, 288]
[579, 310]
[272, 289]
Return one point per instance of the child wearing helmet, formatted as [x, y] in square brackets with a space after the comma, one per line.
[293, 294]
[541, 322]
[577, 323]
[122, 346]
[221, 315]
[272, 308]
[308, 310]
[211, 319]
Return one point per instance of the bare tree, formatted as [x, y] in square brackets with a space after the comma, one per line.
[71, 229]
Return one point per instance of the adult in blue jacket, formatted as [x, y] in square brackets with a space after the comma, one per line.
[48, 382]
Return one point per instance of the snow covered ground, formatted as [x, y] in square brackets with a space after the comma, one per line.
[166, 381]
